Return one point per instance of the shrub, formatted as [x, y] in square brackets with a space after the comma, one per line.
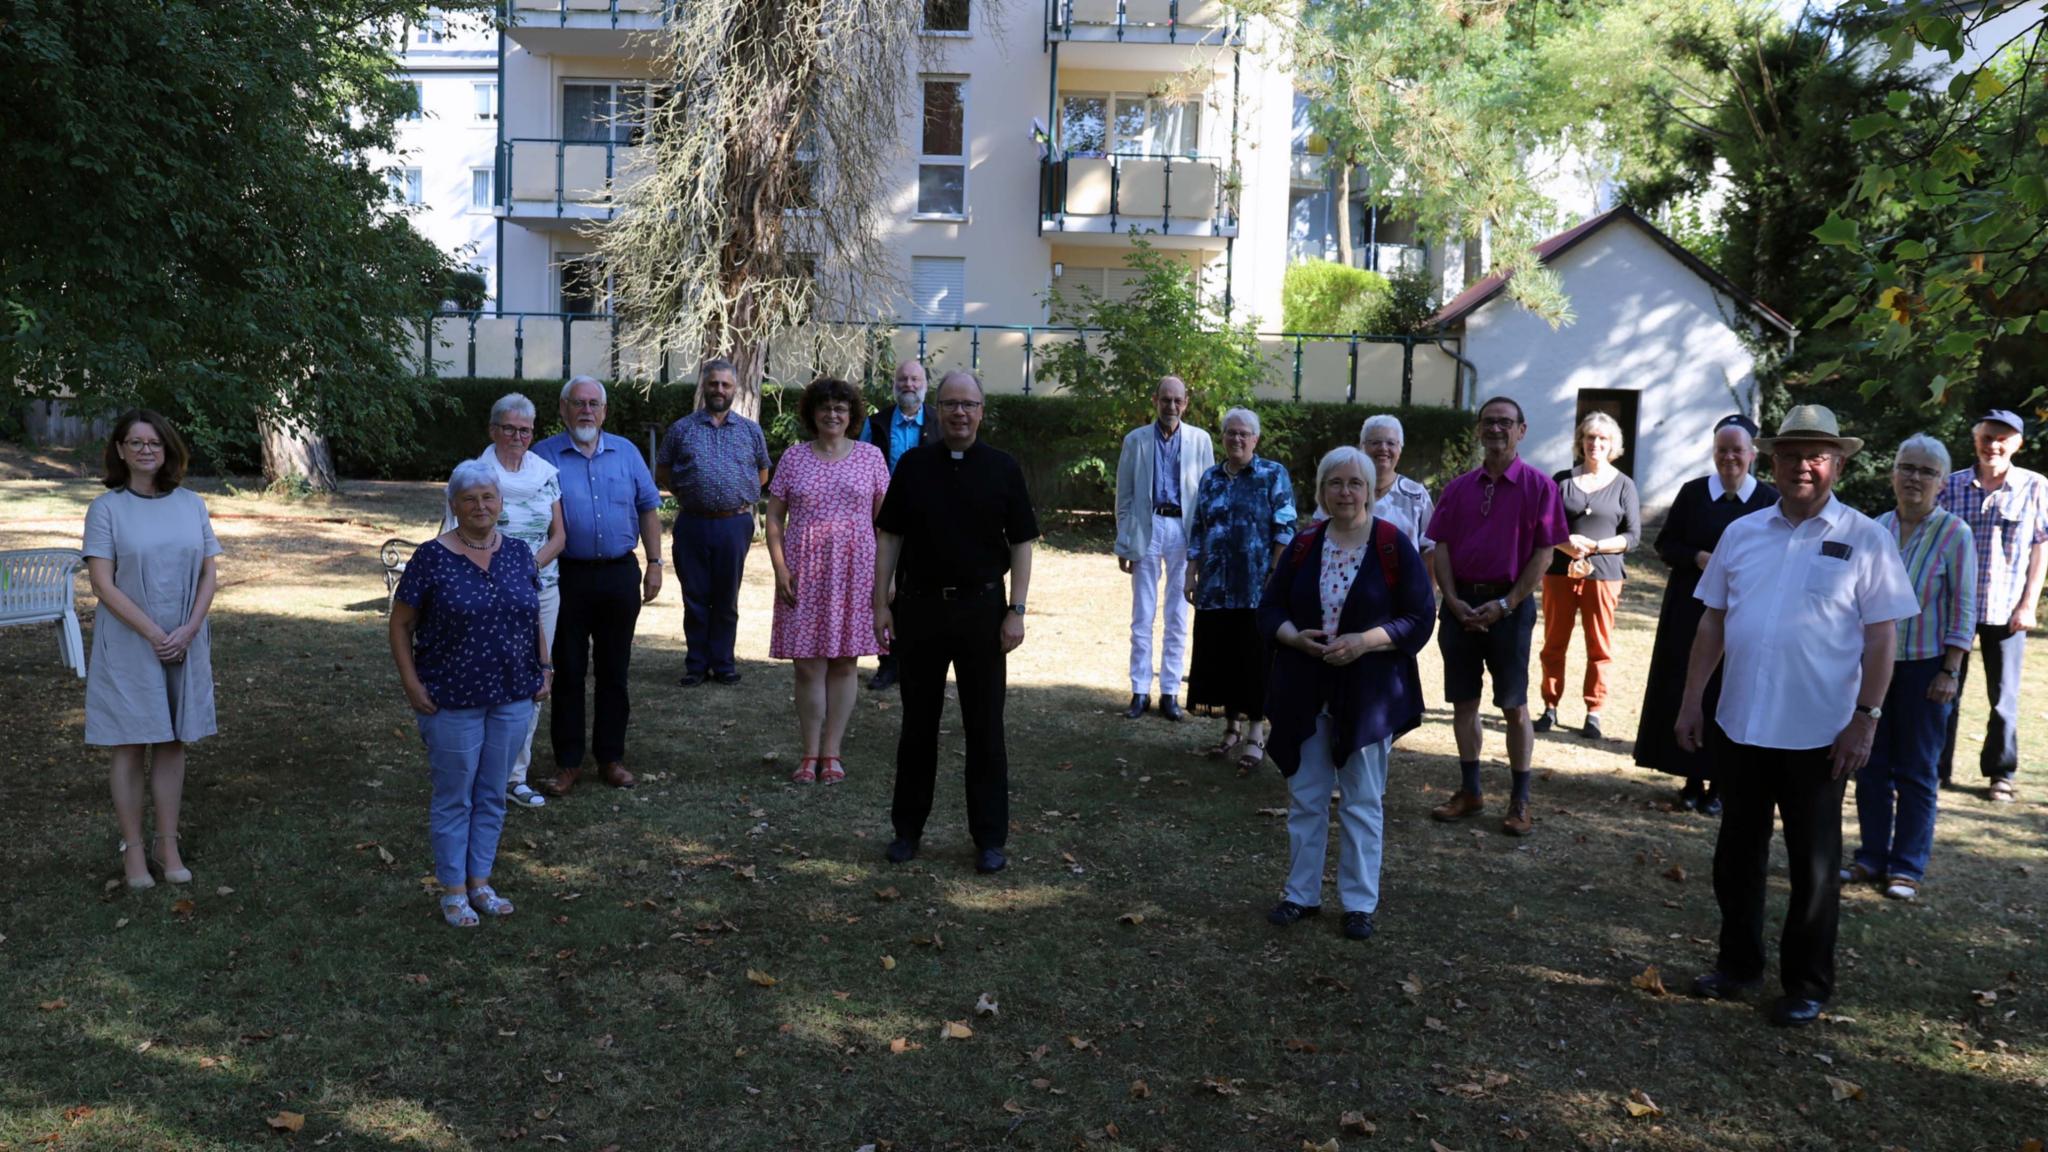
[1322, 296]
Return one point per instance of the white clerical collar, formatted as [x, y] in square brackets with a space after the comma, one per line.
[1716, 489]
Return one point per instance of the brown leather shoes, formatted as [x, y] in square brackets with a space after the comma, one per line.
[1518, 822]
[615, 774]
[564, 780]
[1459, 807]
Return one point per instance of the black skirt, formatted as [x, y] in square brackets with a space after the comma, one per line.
[1227, 673]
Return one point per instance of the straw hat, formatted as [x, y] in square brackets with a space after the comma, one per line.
[1811, 423]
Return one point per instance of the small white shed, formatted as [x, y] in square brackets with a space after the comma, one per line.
[1656, 344]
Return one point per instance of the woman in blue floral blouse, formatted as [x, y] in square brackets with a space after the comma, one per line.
[1243, 516]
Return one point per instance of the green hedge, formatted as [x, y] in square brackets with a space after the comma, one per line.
[1045, 433]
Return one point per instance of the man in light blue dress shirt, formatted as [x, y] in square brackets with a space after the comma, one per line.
[609, 507]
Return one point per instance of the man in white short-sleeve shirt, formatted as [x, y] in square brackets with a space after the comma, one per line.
[1804, 599]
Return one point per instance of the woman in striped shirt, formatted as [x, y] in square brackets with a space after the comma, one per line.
[1895, 791]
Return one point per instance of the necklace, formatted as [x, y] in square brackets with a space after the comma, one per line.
[483, 547]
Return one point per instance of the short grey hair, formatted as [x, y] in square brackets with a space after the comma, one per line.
[963, 374]
[1335, 458]
[1382, 420]
[468, 475]
[575, 380]
[716, 364]
[1922, 442]
[514, 404]
[1245, 416]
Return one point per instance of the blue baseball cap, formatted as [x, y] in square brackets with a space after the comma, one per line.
[2003, 416]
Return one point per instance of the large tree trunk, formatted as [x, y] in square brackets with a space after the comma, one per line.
[1343, 209]
[292, 454]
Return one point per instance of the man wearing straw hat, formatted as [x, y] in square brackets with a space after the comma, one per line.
[1803, 598]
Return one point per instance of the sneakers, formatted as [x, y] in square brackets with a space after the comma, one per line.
[1547, 721]
[1287, 912]
[1358, 926]
[1901, 887]
[1592, 729]
[1460, 806]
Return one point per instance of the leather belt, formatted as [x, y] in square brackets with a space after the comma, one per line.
[1172, 510]
[605, 562]
[1483, 591]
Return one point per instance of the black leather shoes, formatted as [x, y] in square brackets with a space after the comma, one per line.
[1547, 721]
[692, 679]
[732, 677]
[1139, 705]
[884, 678]
[1287, 912]
[1718, 985]
[1592, 729]
[1793, 1012]
[1711, 806]
[901, 851]
[990, 860]
[1169, 708]
[1358, 926]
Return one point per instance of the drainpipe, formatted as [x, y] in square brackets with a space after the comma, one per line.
[1462, 397]
[501, 186]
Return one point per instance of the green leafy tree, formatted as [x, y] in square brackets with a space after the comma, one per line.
[1160, 328]
[190, 217]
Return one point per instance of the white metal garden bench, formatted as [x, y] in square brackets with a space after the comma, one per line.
[36, 588]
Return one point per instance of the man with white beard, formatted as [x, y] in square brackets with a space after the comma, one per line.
[609, 507]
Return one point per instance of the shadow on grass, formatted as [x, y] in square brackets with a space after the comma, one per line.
[617, 1006]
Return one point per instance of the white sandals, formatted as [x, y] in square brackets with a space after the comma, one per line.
[521, 794]
[488, 902]
[455, 910]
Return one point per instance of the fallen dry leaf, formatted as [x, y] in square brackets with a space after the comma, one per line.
[1640, 1105]
[1412, 985]
[744, 872]
[1221, 1085]
[1272, 811]
[955, 1030]
[889, 893]
[1078, 1044]
[1436, 1147]
[183, 907]
[1132, 918]
[1841, 1089]
[1329, 1145]
[985, 1006]
[1302, 1046]
[1675, 873]
[1140, 1090]
[1434, 1024]
[1356, 1124]
[385, 855]
[57, 1005]
[1985, 997]
[888, 963]
[903, 1044]
[1012, 1107]
[77, 1112]
[286, 1122]
[755, 975]
[1651, 981]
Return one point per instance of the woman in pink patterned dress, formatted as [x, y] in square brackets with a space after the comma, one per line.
[821, 539]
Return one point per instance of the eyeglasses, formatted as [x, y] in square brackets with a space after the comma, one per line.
[1486, 498]
[1812, 457]
[514, 431]
[1498, 422]
[959, 405]
[1370, 445]
[586, 405]
[1920, 471]
[143, 445]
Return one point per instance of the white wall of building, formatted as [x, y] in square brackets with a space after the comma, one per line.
[448, 141]
[1645, 322]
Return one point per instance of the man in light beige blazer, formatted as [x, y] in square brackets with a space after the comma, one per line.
[1156, 478]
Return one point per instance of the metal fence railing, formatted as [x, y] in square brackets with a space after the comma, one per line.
[1174, 195]
[1349, 367]
[1144, 21]
[629, 14]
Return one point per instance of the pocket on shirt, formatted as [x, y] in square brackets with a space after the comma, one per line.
[1831, 579]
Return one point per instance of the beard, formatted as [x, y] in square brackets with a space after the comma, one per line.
[717, 404]
[584, 433]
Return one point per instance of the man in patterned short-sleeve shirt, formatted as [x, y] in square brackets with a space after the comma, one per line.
[715, 462]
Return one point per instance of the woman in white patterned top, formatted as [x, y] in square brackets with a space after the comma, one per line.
[532, 496]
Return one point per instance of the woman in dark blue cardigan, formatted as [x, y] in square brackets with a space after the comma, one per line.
[1347, 608]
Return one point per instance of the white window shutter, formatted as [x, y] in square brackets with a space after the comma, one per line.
[938, 289]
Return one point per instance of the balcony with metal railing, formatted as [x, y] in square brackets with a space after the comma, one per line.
[1143, 22]
[582, 27]
[549, 182]
[1188, 196]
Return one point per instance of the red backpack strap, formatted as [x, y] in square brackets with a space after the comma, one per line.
[1306, 540]
[1383, 543]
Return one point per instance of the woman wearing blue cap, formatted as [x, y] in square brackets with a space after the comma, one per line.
[1702, 511]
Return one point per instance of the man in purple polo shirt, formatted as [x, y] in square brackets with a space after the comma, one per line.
[1494, 530]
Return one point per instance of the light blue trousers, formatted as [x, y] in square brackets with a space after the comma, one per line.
[470, 752]
[1361, 819]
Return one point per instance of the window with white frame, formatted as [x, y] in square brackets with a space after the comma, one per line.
[944, 16]
[1106, 123]
[406, 184]
[486, 96]
[942, 152]
[597, 111]
[416, 101]
[480, 180]
[938, 289]
[432, 30]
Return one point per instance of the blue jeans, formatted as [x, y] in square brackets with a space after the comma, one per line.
[2005, 656]
[1904, 759]
[470, 752]
[1361, 817]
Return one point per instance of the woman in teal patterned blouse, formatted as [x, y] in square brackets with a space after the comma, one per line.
[1243, 516]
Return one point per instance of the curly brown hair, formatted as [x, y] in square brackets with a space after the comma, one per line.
[831, 390]
[170, 473]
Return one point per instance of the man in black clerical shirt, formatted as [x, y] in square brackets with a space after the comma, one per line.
[957, 518]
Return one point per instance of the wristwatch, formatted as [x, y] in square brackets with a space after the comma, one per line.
[1017, 608]
[1873, 711]
[1506, 609]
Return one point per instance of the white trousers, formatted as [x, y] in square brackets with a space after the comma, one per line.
[1168, 550]
[550, 609]
[1361, 819]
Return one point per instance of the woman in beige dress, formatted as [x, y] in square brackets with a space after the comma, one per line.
[149, 548]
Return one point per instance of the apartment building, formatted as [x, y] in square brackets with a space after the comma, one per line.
[1047, 131]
